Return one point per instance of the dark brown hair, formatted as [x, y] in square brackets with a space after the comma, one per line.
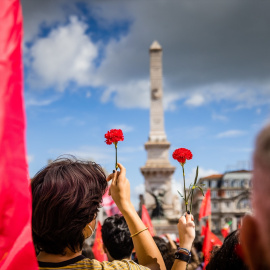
[116, 237]
[66, 196]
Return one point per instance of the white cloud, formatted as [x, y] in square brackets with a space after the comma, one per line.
[219, 117]
[258, 111]
[103, 155]
[88, 94]
[134, 194]
[195, 100]
[231, 133]
[244, 149]
[70, 120]
[129, 95]
[30, 158]
[32, 101]
[195, 75]
[177, 186]
[125, 128]
[140, 189]
[66, 55]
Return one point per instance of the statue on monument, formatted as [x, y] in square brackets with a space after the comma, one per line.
[158, 210]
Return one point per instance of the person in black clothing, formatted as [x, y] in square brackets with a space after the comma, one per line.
[117, 243]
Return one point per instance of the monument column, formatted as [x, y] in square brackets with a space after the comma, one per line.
[157, 171]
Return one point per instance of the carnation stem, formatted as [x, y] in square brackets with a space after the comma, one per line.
[191, 200]
[184, 186]
[116, 166]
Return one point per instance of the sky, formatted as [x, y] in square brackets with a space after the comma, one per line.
[86, 70]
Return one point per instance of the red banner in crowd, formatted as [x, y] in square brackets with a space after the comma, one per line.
[210, 240]
[109, 205]
[98, 251]
[16, 247]
[147, 220]
[205, 209]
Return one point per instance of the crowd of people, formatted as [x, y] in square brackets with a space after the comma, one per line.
[67, 196]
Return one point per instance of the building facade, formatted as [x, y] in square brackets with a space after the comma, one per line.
[230, 200]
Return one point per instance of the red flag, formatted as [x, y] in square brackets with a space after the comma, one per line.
[210, 240]
[147, 220]
[16, 246]
[205, 209]
[203, 231]
[226, 229]
[213, 238]
[98, 251]
[109, 205]
[215, 241]
[207, 246]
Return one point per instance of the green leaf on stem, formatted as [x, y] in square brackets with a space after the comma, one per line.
[196, 176]
[201, 190]
[180, 194]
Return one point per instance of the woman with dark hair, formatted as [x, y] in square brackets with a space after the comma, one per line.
[227, 256]
[66, 197]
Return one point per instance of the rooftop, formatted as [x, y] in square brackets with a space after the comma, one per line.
[213, 176]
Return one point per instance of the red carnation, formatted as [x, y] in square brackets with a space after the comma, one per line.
[181, 155]
[114, 136]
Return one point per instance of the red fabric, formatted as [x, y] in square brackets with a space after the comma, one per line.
[205, 209]
[109, 205]
[203, 231]
[225, 232]
[16, 247]
[210, 240]
[98, 246]
[147, 220]
[215, 240]
[207, 245]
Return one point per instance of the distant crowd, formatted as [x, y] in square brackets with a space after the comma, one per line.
[67, 195]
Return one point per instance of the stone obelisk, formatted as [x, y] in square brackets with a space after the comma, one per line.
[157, 171]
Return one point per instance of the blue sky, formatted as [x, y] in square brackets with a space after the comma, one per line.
[87, 71]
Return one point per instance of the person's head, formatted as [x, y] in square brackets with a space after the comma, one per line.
[116, 238]
[255, 232]
[67, 194]
[227, 256]
[166, 251]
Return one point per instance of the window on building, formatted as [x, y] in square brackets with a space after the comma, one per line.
[228, 204]
[213, 184]
[213, 193]
[243, 204]
[215, 226]
[235, 183]
[225, 183]
[214, 205]
[244, 183]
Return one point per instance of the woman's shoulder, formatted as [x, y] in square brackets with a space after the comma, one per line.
[123, 265]
[86, 263]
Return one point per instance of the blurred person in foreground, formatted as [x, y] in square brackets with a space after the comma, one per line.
[117, 243]
[255, 231]
[67, 194]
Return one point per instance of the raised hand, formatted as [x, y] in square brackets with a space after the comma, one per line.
[120, 188]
